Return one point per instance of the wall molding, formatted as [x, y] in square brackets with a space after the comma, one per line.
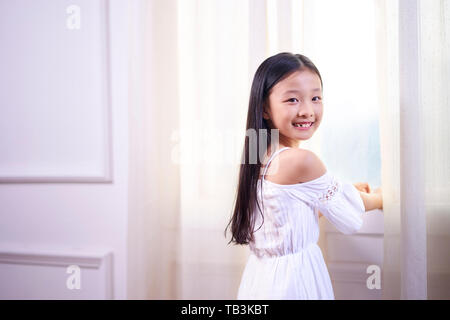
[99, 259]
[349, 271]
[106, 175]
[55, 258]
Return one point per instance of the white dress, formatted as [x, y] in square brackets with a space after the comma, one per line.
[285, 260]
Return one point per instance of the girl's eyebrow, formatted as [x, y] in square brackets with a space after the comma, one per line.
[297, 91]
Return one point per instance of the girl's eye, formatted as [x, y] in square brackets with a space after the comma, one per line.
[317, 98]
[291, 99]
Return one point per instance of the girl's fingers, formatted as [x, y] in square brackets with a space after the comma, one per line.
[362, 186]
[378, 190]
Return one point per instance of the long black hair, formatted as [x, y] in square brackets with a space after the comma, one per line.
[268, 74]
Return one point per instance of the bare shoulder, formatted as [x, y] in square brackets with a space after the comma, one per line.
[295, 165]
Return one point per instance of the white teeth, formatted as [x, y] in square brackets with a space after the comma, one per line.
[306, 125]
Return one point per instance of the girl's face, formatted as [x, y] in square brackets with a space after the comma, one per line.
[295, 99]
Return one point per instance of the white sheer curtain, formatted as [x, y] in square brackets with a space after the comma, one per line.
[189, 86]
[414, 85]
[213, 59]
[154, 187]
[192, 63]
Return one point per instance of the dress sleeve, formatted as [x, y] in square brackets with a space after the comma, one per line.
[339, 201]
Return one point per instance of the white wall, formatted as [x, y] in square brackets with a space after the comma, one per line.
[63, 149]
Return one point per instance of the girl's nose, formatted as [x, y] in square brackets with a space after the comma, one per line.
[306, 110]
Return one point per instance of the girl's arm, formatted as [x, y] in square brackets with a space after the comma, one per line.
[371, 201]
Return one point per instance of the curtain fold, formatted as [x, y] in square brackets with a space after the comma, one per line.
[213, 59]
[413, 85]
[154, 187]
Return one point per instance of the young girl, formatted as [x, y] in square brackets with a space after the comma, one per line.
[277, 210]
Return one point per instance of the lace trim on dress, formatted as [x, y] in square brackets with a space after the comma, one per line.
[332, 190]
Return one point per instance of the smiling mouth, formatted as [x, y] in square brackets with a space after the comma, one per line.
[303, 125]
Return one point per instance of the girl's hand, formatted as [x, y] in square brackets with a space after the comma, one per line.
[379, 191]
[362, 186]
